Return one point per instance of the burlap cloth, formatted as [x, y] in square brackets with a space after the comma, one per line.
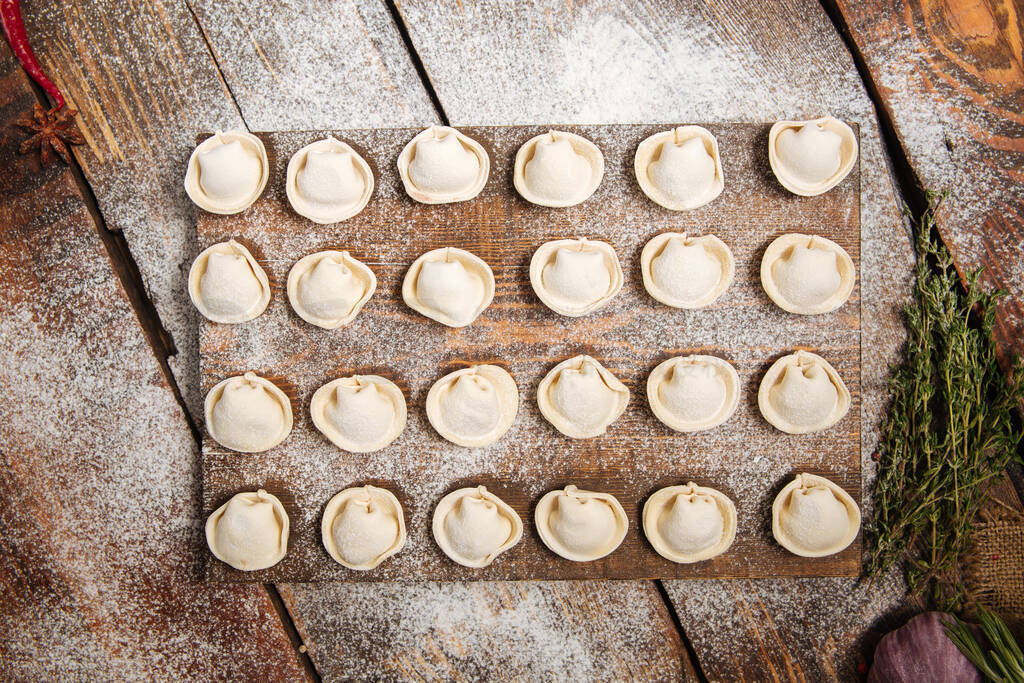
[993, 571]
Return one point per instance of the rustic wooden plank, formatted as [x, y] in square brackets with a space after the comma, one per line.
[951, 78]
[99, 546]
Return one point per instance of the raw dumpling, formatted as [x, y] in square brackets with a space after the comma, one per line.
[329, 288]
[807, 274]
[689, 523]
[575, 277]
[441, 165]
[811, 157]
[474, 406]
[813, 517]
[580, 398]
[686, 272]
[248, 414]
[680, 169]
[249, 532]
[359, 414]
[693, 393]
[802, 393]
[327, 181]
[227, 285]
[227, 172]
[362, 527]
[449, 285]
[558, 169]
[580, 525]
[473, 526]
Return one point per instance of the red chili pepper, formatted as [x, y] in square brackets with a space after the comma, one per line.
[14, 29]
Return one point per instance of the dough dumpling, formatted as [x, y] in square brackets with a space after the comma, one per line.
[474, 406]
[249, 532]
[473, 526]
[329, 288]
[693, 393]
[811, 157]
[441, 165]
[227, 285]
[327, 181]
[557, 169]
[580, 525]
[680, 169]
[362, 527]
[449, 285]
[686, 272]
[807, 274]
[580, 398]
[575, 277]
[813, 517]
[227, 172]
[359, 414]
[248, 414]
[802, 393]
[689, 523]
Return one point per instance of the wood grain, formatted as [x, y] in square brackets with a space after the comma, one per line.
[98, 470]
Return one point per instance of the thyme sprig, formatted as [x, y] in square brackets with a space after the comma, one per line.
[951, 428]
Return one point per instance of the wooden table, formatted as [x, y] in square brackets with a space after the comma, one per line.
[100, 522]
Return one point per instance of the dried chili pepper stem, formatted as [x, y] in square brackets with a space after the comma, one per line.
[14, 29]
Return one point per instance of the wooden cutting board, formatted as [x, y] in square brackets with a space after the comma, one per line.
[745, 458]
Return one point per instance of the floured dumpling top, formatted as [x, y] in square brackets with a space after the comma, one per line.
[359, 414]
[813, 517]
[802, 393]
[557, 169]
[362, 527]
[693, 393]
[327, 181]
[689, 523]
[575, 277]
[227, 172]
[686, 272]
[449, 285]
[227, 285]
[473, 526]
[807, 274]
[680, 169]
[580, 525]
[474, 406]
[811, 157]
[249, 532]
[580, 398]
[329, 288]
[248, 414]
[441, 165]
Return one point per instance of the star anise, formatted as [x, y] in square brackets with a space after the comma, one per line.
[53, 130]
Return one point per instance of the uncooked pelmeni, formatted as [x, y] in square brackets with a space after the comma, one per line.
[693, 393]
[449, 285]
[359, 414]
[473, 406]
[575, 277]
[329, 288]
[807, 274]
[473, 526]
[227, 172]
[686, 272]
[811, 157]
[327, 181]
[580, 525]
[362, 527]
[813, 517]
[441, 165]
[802, 393]
[557, 169]
[680, 168]
[249, 532]
[580, 398]
[226, 284]
[248, 414]
[689, 523]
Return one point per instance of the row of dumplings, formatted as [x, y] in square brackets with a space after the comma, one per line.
[328, 181]
[476, 406]
[363, 526]
[802, 274]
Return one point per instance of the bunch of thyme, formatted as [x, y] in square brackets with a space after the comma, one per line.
[952, 426]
